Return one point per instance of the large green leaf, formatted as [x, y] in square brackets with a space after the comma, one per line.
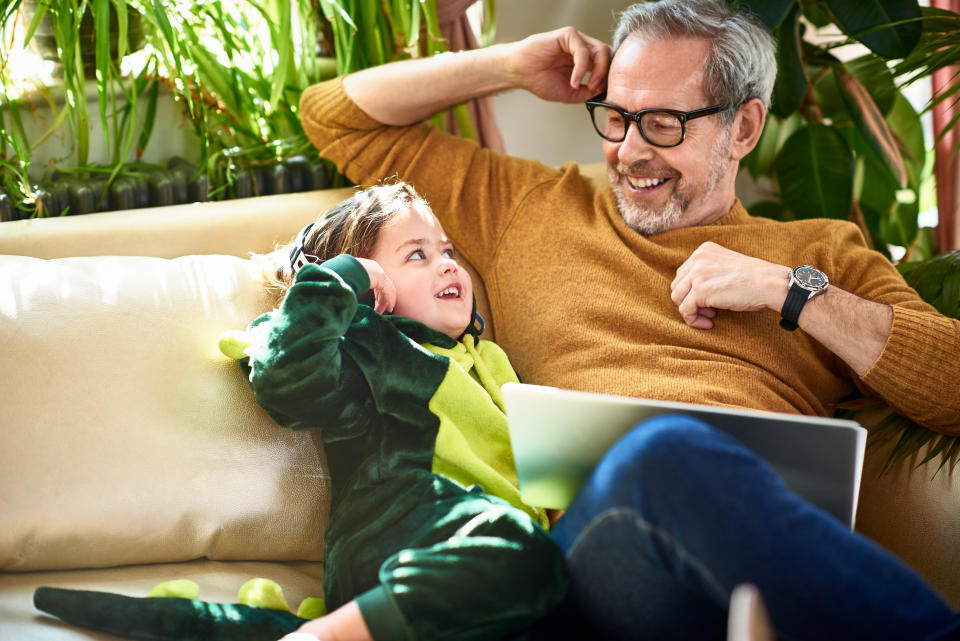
[937, 281]
[771, 209]
[759, 162]
[868, 21]
[101, 19]
[770, 12]
[817, 13]
[900, 226]
[284, 48]
[791, 83]
[906, 126]
[868, 119]
[875, 189]
[815, 172]
[874, 74]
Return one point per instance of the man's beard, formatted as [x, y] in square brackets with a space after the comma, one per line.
[649, 221]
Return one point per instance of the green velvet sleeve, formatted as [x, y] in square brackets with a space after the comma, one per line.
[299, 374]
[323, 360]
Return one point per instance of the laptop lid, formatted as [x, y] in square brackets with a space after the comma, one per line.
[558, 436]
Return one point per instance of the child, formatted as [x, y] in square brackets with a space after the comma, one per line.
[428, 537]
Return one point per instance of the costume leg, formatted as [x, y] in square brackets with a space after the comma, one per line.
[679, 513]
[465, 566]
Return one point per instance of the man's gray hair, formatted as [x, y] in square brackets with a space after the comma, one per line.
[743, 63]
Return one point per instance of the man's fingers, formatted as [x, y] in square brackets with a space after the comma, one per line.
[589, 56]
[679, 289]
[702, 322]
[601, 64]
[582, 60]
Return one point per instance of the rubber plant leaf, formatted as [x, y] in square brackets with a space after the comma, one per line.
[868, 119]
[815, 172]
[770, 12]
[791, 84]
[871, 22]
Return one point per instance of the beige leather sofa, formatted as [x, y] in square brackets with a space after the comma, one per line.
[132, 452]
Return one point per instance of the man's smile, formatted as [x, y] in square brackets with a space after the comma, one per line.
[644, 183]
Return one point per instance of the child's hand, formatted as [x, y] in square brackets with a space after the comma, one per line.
[384, 292]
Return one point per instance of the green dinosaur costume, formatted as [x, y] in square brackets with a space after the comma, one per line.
[427, 530]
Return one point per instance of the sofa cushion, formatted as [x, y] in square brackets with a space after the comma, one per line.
[125, 436]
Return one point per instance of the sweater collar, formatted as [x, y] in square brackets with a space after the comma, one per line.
[738, 214]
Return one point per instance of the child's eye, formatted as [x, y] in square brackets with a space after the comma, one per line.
[449, 253]
[417, 255]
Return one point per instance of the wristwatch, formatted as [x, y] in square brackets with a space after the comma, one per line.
[805, 283]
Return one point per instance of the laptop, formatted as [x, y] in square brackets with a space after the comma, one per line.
[558, 436]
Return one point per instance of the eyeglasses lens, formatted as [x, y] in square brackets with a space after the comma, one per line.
[658, 127]
[609, 123]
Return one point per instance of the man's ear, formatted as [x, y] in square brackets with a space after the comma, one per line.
[747, 128]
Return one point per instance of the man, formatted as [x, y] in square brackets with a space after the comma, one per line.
[662, 286]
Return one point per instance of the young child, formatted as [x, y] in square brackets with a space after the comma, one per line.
[427, 538]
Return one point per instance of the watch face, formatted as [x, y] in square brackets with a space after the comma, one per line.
[810, 278]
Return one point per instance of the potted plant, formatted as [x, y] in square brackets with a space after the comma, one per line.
[236, 68]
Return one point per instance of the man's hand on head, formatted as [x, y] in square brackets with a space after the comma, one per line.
[553, 65]
[714, 277]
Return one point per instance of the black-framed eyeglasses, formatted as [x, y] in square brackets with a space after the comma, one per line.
[659, 127]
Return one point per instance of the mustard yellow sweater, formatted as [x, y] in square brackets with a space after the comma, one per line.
[580, 300]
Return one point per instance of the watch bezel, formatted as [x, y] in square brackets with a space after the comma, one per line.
[801, 276]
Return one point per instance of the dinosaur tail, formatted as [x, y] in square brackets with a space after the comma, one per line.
[164, 618]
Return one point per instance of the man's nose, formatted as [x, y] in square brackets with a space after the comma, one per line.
[634, 147]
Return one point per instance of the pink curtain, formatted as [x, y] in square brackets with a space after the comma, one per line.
[456, 29]
[946, 163]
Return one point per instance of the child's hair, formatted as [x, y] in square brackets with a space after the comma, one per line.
[349, 227]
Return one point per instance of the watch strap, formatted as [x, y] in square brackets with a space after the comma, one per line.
[797, 297]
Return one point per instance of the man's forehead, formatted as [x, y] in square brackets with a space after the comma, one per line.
[661, 71]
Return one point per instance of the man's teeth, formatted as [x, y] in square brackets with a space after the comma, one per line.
[645, 183]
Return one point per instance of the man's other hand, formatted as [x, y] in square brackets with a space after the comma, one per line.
[717, 278]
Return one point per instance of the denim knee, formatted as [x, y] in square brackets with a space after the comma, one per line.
[652, 451]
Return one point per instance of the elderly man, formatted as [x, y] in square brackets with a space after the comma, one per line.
[661, 285]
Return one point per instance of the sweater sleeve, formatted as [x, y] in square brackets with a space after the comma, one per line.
[473, 191]
[918, 371]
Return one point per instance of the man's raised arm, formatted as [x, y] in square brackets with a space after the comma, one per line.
[550, 65]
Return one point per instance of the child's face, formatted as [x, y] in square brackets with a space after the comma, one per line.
[431, 287]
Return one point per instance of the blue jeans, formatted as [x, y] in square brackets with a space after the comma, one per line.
[678, 513]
